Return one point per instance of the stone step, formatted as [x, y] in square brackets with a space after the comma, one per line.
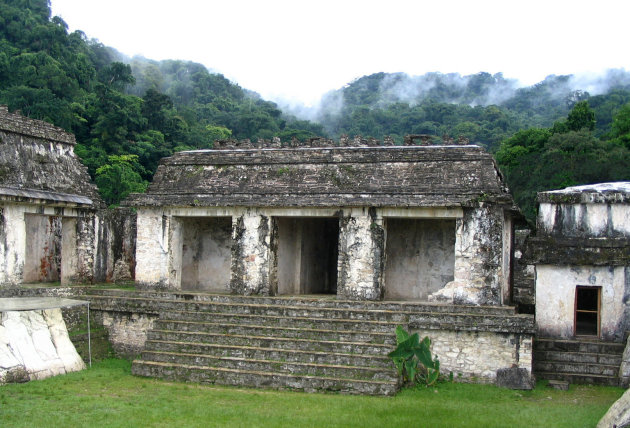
[252, 352]
[107, 303]
[578, 357]
[576, 368]
[270, 342]
[579, 378]
[569, 345]
[249, 378]
[310, 301]
[276, 366]
[388, 327]
[471, 322]
[276, 331]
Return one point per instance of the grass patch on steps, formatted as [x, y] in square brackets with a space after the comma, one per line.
[107, 395]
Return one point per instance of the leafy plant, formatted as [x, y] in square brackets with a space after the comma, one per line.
[412, 358]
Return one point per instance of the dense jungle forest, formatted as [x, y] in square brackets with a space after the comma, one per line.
[128, 113]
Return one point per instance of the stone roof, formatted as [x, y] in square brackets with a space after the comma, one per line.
[395, 176]
[18, 124]
[26, 195]
[615, 192]
[38, 164]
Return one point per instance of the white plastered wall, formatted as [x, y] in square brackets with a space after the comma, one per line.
[555, 297]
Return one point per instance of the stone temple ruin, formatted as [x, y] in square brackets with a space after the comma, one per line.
[281, 265]
[399, 223]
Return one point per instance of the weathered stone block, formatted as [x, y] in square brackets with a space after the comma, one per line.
[514, 378]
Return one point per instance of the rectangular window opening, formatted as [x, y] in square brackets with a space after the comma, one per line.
[587, 311]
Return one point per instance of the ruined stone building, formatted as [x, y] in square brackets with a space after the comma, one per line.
[581, 254]
[380, 222]
[53, 227]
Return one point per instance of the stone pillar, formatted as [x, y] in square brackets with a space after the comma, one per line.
[175, 253]
[361, 246]
[12, 244]
[251, 254]
[69, 261]
[624, 368]
[478, 259]
[85, 248]
[152, 249]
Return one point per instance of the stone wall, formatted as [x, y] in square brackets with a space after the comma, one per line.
[116, 245]
[476, 356]
[127, 331]
[555, 298]
[361, 249]
[44, 243]
[206, 254]
[480, 258]
[45, 235]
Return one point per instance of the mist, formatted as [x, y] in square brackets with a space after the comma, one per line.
[481, 89]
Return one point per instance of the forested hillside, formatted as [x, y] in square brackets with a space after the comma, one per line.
[125, 116]
[484, 108]
[128, 113]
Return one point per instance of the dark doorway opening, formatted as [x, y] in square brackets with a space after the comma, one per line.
[587, 311]
[307, 255]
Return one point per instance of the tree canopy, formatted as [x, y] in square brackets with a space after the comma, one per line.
[566, 154]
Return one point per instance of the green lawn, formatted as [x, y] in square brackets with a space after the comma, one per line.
[108, 396]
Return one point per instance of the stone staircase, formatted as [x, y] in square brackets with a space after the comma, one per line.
[578, 361]
[273, 343]
[302, 343]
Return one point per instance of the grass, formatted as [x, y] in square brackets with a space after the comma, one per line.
[107, 395]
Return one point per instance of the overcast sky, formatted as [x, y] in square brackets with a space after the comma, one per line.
[298, 50]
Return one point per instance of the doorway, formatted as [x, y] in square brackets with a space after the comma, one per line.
[587, 311]
[307, 255]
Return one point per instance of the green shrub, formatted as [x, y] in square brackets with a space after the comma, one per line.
[412, 358]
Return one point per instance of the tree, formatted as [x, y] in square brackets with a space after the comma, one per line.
[120, 177]
[581, 117]
[621, 126]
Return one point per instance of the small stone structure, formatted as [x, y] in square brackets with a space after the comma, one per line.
[34, 343]
[582, 258]
[52, 223]
[357, 220]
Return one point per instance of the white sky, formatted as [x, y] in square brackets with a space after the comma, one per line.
[298, 50]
